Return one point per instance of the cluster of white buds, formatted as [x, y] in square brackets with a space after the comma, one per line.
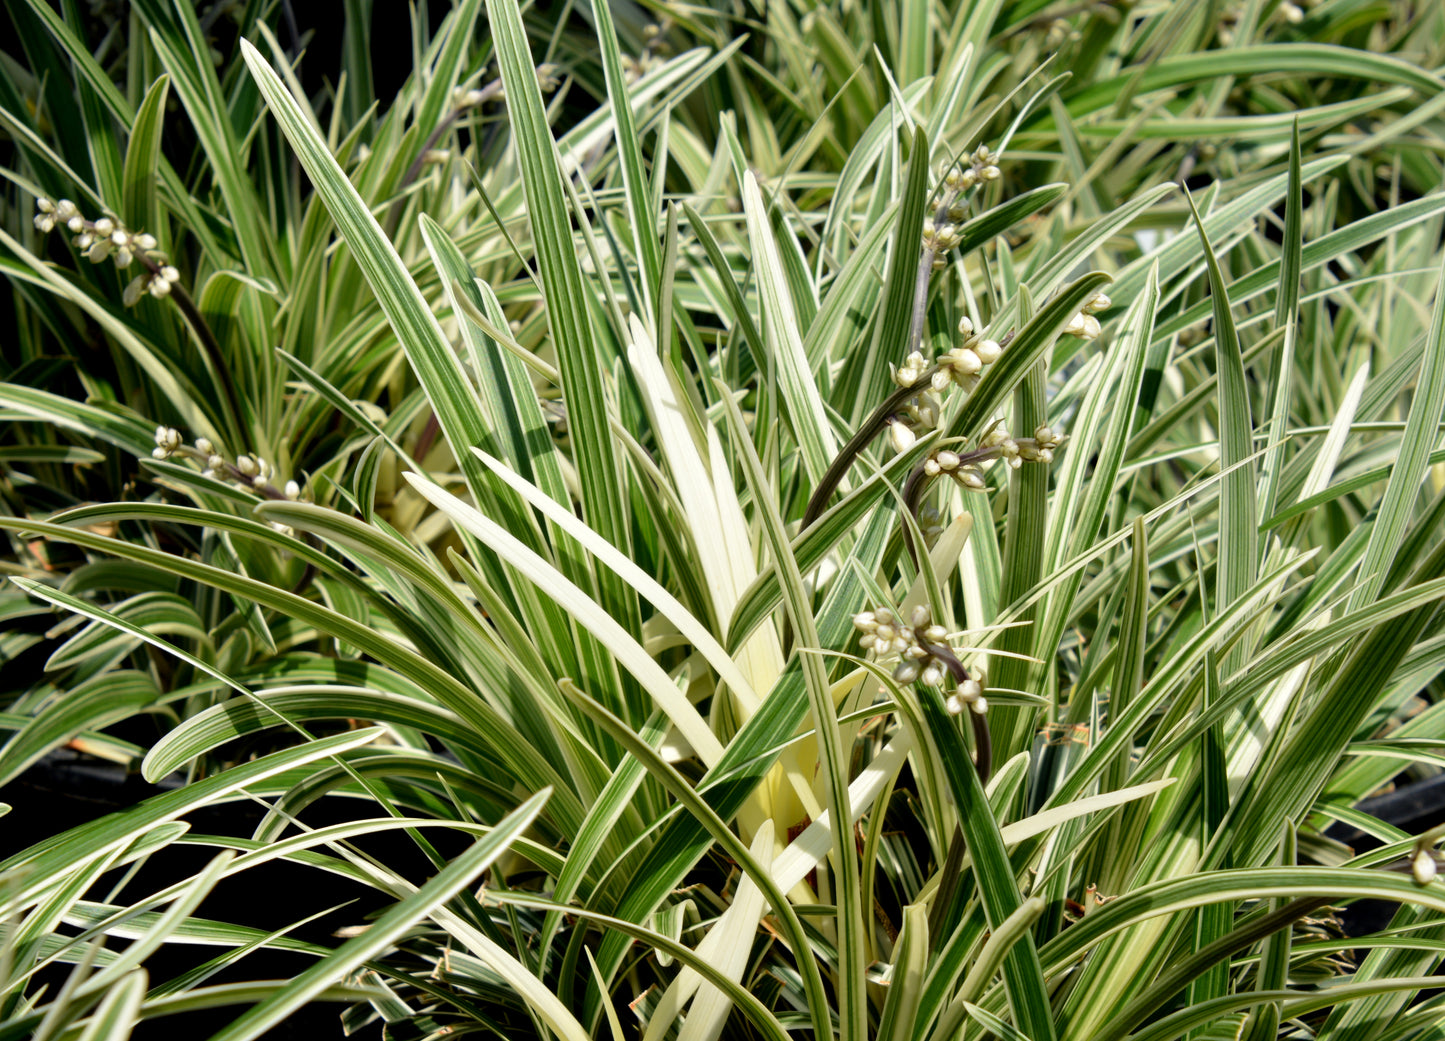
[1291, 13]
[158, 284]
[248, 471]
[924, 655]
[1040, 448]
[969, 695]
[255, 468]
[464, 98]
[963, 363]
[1084, 325]
[940, 237]
[951, 464]
[921, 411]
[941, 232]
[911, 371]
[208, 455]
[959, 366]
[168, 442]
[974, 169]
[999, 444]
[107, 239]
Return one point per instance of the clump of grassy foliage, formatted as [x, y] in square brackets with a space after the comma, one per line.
[522, 458]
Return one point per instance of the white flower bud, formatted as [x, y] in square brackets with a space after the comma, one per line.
[884, 616]
[867, 641]
[159, 287]
[988, 351]
[932, 675]
[925, 410]
[931, 467]
[293, 490]
[215, 462]
[990, 173]
[970, 689]
[204, 446]
[907, 672]
[954, 704]
[972, 479]
[145, 242]
[104, 226]
[965, 326]
[964, 361]
[134, 290]
[935, 634]
[168, 439]
[979, 706]
[1423, 866]
[246, 465]
[170, 274]
[885, 632]
[901, 437]
[76, 223]
[948, 460]
[919, 617]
